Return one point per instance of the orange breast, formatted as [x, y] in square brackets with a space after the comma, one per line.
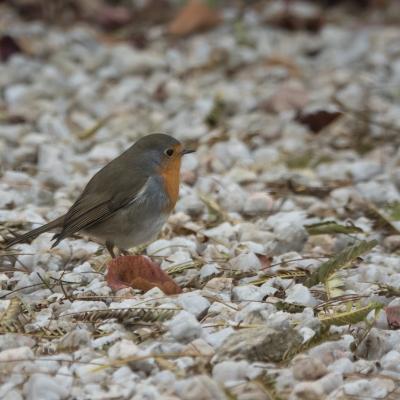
[170, 173]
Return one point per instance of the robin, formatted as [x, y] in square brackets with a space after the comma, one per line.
[128, 201]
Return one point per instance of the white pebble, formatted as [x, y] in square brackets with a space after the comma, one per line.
[194, 303]
[184, 327]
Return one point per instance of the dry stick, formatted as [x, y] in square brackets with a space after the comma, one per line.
[22, 264]
[46, 284]
[215, 299]
[17, 290]
[66, 295]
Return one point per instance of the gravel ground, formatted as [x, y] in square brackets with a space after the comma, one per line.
[285, 239]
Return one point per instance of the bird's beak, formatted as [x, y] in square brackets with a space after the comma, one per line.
[187, 151]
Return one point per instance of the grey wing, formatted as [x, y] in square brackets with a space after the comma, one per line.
[91, 209]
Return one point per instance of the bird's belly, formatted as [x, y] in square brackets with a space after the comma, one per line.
[126, 229]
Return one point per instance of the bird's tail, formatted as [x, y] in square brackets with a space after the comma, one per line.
[26, 237]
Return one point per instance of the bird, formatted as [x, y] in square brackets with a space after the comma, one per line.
[127, 202]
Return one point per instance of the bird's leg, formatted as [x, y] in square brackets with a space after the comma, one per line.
[124, 252]
[110, 248]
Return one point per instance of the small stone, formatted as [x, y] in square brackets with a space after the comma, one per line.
[201, 346]
[232, 198]
[247, 293]
[391, 361]
[184, 327]
[290, 234]
[259, 344]
[85, 372]
[183, 244]
[378, 343]
[199, 387]
[217, 338]
[194, 303]
[12, 395]
[308, 369]
[19, 353]
[160, 248]
[248, 391]
[364, 170]
[245, 262]
[258, 204]
[229, 373]
[380, 193]
[299, 294]
[331, 381]
[208, 270]
[122, 349]
[342, 366]
[220, 288]
[190, 205]
[223, 233]
[328, 352]
[392, 242]
[251, 232]
[154, 293]
[375, 388]
[103, 153]
[44, 387]
[308, 391]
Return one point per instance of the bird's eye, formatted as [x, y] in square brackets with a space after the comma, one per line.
[169, 152]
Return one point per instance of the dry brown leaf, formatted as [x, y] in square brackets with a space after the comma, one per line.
[8, 47]
[393, 316]
[318, 119]
[194, 16]
[139, 272]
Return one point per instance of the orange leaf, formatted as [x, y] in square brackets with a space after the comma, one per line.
[393, 316]
[194, 17]
[139, 272]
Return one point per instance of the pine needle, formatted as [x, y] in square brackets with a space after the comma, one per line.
[125, 315]
[177, 269]
[331, 227]
[341, 260]
[350, 317]
[87, 133]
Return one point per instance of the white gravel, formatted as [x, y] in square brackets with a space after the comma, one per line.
[239, 241]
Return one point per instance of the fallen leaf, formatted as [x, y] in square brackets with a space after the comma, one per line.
[139, 272]
[318, 120]
[8, 47]
[393, 316]
[194, 16]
